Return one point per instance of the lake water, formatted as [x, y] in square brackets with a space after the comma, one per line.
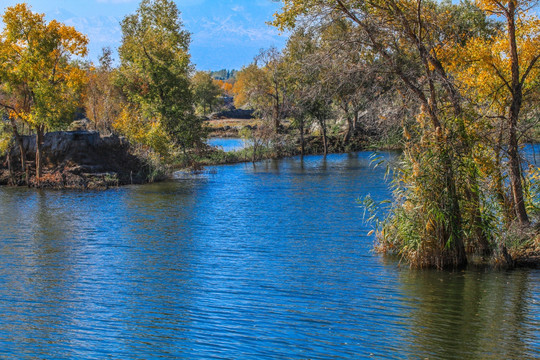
[227, 144]
[243, 262]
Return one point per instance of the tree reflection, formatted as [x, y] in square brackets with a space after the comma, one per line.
[469, 315]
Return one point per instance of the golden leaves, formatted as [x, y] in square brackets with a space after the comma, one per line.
[138, 129]
[483, 66]
[36, 66]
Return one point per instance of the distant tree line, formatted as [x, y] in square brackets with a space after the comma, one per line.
[223, 74]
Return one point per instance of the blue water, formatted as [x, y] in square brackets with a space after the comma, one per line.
[227, 144]
[247, 261]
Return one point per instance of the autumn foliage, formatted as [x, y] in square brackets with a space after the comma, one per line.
[41, 83]
[470, 71]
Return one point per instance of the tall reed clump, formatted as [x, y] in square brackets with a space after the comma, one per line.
[439, 213]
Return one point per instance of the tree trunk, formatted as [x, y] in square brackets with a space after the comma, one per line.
[18, 140]
[348, 133]
[505, 203]
[515, 176]
[39, 160]
[275, 115]
[10, 168]
[255, 148]
[513, 116]
[276, 107]
[302, 145]
[322, 122]
[350, 129]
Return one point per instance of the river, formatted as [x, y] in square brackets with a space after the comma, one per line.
[227, 144]
[245, 261]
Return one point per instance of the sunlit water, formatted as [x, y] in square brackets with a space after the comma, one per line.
[243, 262]
[227, 144]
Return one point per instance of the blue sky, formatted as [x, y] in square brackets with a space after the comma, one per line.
[225, 33]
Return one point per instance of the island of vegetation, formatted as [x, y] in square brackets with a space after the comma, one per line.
[455, 86]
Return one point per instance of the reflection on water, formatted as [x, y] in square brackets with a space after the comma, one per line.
[257, 261]
[473, 314]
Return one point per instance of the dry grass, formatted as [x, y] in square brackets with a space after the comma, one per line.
[216, 124]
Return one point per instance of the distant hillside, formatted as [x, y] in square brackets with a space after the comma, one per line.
[224, 74]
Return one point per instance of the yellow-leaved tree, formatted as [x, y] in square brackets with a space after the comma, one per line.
[499, 73]
[41, 85]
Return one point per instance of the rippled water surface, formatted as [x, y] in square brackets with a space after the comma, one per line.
[242, 262]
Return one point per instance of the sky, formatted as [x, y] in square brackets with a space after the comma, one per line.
[226, 34]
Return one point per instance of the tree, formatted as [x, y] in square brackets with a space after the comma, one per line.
[261, 86]
[407, 38]
[271, 62]
[42, 85]
[103, 100]
[250, 88]
[499, 72]
[205, 91]
[154, 70]
[352, 79]
[226, 86]
[309, 93]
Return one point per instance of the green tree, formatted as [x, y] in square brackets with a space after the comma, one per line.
[6, 141]
[205, 91]
[155, 67]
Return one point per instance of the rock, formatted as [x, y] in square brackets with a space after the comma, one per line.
[78, 158]
[80, 125]
[233, 114]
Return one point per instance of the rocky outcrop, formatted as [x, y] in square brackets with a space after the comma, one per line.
[233, 114]
[77, 159]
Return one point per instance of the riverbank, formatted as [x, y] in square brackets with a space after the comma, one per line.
[527, 257]
[87, 160]
[524, 247]
[215, 156]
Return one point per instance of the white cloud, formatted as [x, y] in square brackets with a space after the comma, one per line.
[230, 30]
[238, 8]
